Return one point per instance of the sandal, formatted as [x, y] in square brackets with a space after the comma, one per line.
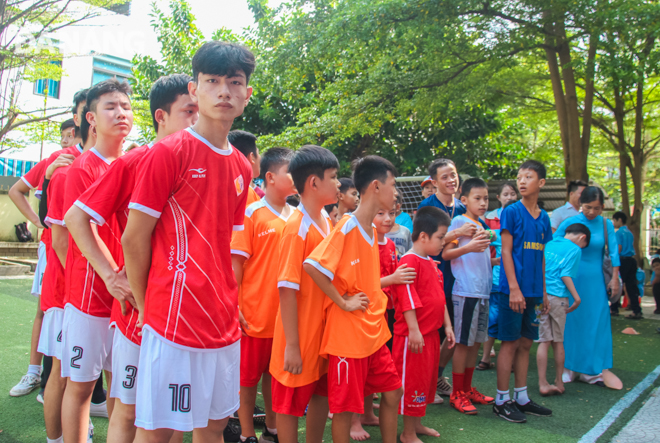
[484, 366]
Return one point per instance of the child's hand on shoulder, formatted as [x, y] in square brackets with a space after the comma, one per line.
[354, 302]
[404, 275]
[479, 243]
[467, 230]
[415, 341]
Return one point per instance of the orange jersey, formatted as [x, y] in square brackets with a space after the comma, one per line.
[259, 243]
[349, 257]
[252, 196]
[300, 237]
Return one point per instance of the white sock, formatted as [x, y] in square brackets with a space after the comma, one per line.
[57, 440]
[34, 370]
[272, 431]
[243, 438]
[520, 395]
[502, 397]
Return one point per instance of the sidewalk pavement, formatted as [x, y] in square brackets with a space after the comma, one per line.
[645, 425]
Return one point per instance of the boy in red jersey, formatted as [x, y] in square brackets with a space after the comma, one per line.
[172, 110]
[189, 196]
[298, 371]
[254, 250]
[420, 311]
[345, 266]
[86, 339]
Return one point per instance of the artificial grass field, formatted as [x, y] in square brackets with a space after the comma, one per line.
[575, 413]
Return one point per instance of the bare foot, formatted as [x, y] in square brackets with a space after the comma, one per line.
[423, 430]
[371, 420]
[547, 390]
[409, 438]
[358, 433]
[560, 386]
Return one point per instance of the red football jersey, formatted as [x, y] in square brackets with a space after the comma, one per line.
[86, 291]
[198, 193]
[426, 296]
[388, 264]
[108, 199]
[54, 286]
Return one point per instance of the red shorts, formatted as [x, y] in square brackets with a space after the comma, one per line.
[255, 359]
[419, 373]
[352, 379]
[294, 401]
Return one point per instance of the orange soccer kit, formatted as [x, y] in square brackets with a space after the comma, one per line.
[359, 363]
[258, 297]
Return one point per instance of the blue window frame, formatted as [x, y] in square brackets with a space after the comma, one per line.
[52, 86]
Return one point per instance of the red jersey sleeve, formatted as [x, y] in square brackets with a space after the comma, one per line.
[406, 297]
[241, 240]
[78, 180]
[105, 197]
[242, 191]
[156, 181]
[35, 176]
[56, 190]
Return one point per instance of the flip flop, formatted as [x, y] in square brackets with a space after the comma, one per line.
[484, 366]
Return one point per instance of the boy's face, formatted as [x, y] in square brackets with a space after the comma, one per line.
[477, 202]
[68, 137]
[435, 243]
[617, 223]
[384, 221]
[326, 188]
[428, 190]
[183, 114]
[350, 199]
[574, 197]
[221, 98]
[579, 239]
[334, 215]
[387, 192]
[446, 180]
[77, 117]
[529, 182]
[255, 161]
[113, 117]
[508, 194]
[280, 181]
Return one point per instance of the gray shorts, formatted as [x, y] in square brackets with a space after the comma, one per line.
[552, 325]
[470, 320]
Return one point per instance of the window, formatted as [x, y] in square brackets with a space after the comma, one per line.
[47, 85]
[107, 67]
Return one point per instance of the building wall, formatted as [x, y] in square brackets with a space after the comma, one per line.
[11, 216]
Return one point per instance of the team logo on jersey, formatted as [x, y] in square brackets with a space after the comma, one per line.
[238, 183]
[355, 262]
[198, 173]
[419, 398]
[394, 256]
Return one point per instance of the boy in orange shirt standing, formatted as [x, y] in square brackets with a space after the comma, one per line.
[254, 252]
[346, 268]
[298, 371]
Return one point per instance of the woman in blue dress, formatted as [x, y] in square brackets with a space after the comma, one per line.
[588, 334]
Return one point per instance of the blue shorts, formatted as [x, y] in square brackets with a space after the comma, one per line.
[493, 313]
[512, 325]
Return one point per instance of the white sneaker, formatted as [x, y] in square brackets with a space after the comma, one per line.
[28, 383]
[99, 410]
[437, 400]
[40, 397]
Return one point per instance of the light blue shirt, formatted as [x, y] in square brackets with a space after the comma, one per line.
[562, 213]
[404, 219]
[497, 244]
[625, 239]
[562, 259]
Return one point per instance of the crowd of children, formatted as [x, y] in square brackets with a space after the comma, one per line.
[167, 270]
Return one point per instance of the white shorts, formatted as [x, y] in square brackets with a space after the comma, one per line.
[86, 345]
[183, 388]
[50, 337]
[125, 358]
[38, 279]
[470, 319]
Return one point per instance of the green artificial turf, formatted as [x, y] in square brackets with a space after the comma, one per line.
[575, 413]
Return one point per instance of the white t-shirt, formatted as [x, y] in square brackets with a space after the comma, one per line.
[473, 272]
[562, 213]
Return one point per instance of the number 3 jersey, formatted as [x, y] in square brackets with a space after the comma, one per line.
[198, 192]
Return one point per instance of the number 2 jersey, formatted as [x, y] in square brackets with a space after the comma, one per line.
[198, 193]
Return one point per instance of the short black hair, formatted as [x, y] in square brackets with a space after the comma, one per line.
[535, 166]
[84, 125]
[105, 87]
[311, 160]
[428, 219]
[472, 183]
[67, 124]
[509, 203]
[293, 200]
[345, 184]
[579, 228]
[655, 260]
[244, 141]
[573, 185]
[223, 59]
[504, 185]
[330, 207]
[79, 98]
[273, 159]
[439, 163]
[592, 193]
[165, 91]
[618, 215]
[370, 168]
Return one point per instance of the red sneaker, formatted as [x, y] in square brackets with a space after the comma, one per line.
[478, 398]
[460, 402]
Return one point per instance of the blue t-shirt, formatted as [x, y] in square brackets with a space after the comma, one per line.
[562, 259]
[404, 219]
[529, 237]
[497, 244]
[641, 279]
[625, 239]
